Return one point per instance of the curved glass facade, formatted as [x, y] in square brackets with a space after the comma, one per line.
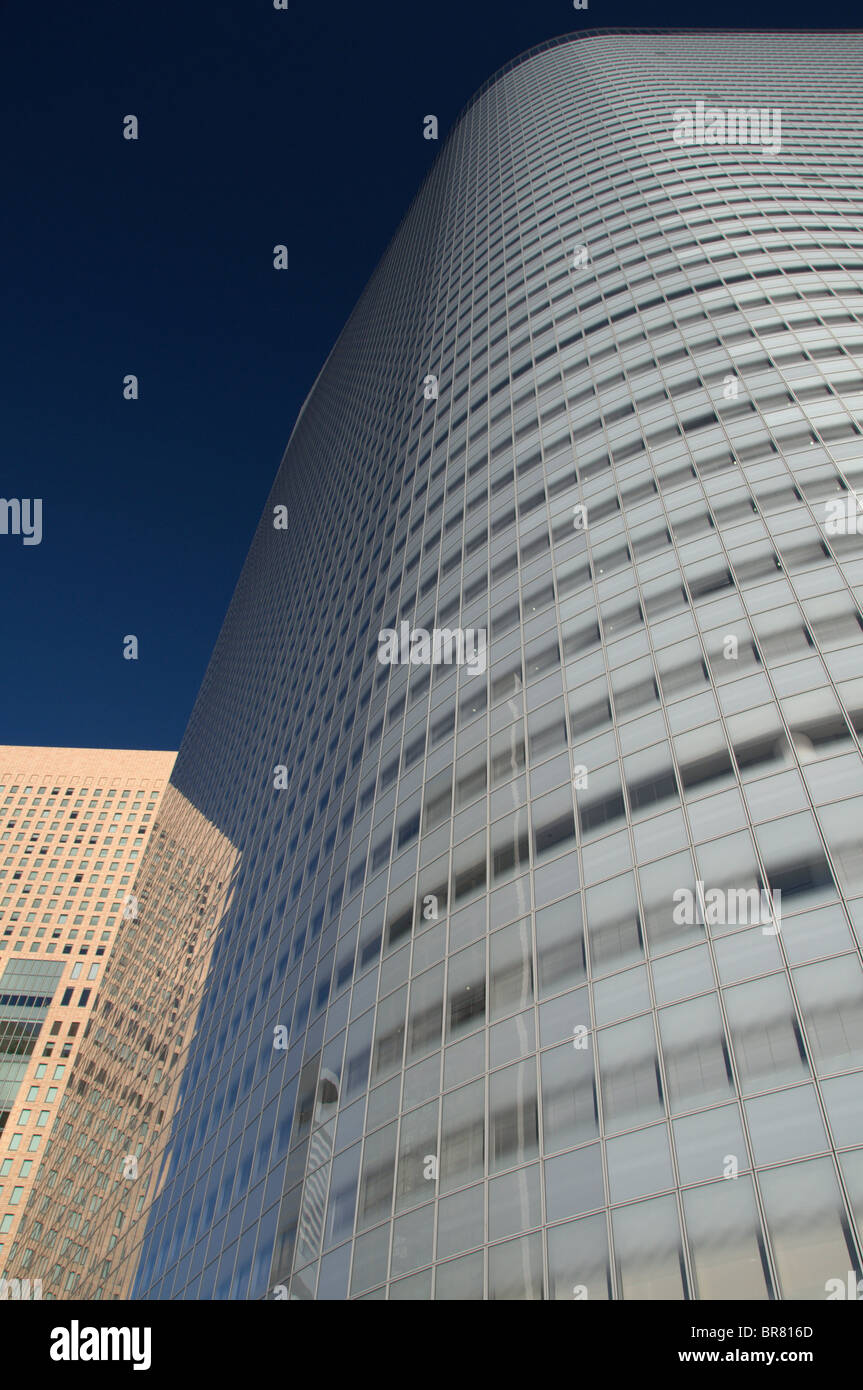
[538, 975]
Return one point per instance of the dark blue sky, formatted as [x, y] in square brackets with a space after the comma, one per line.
[154, 257]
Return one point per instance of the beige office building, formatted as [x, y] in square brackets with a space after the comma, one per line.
[74, 823]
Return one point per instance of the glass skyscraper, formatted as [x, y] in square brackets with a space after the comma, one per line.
[535, 976]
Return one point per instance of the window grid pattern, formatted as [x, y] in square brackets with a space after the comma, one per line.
[467, 877]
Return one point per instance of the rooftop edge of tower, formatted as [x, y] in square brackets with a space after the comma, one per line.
[572, 36]
[575, 36]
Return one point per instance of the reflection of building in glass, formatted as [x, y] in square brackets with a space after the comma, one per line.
[74, 824]
[310, 1227]
[594, 400]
